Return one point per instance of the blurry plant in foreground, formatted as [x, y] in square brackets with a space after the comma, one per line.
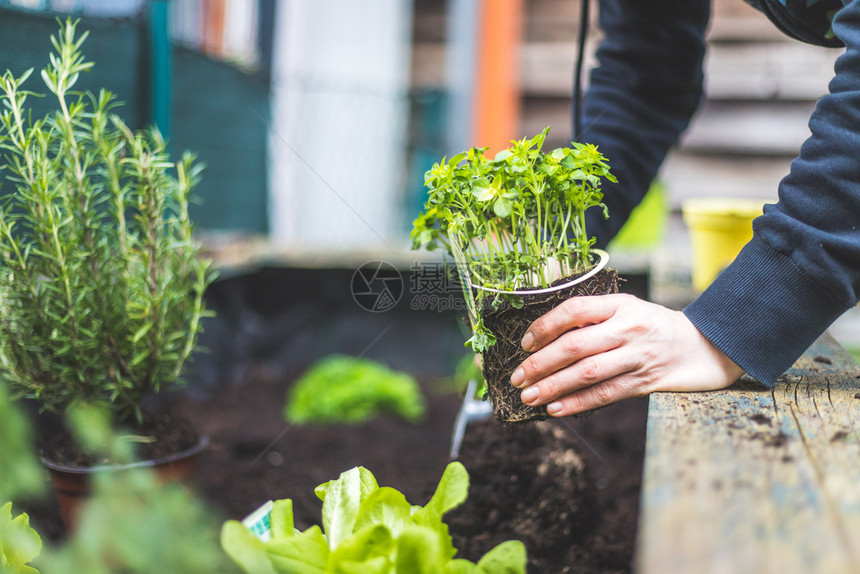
[133, 524]
[19, 544]
[20, 472]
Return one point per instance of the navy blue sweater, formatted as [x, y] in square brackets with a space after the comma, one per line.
[801, 270]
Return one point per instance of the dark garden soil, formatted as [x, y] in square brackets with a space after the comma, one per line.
[569, 489]
[174, 433]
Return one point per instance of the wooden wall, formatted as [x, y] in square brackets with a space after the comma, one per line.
[761, 88]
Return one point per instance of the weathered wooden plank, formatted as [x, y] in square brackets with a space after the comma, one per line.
[744, 128]
[739, 129]
[686, 175]
[756, 480]
[752, 71]
[768, 71]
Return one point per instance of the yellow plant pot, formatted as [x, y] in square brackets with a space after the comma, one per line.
[719, 228]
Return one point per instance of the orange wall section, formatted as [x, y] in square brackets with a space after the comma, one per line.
[497, 91]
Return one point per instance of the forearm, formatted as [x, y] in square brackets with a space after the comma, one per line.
[642, 95]
[802, 268]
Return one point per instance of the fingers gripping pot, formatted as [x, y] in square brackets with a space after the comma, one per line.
[509, 323]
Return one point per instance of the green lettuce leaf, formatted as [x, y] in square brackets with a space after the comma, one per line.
[506, 558]
[385, 506]
[304, 553]
[419, 552]
[246, 550]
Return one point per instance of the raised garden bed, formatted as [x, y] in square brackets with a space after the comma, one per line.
[568, 489]
[570, 521]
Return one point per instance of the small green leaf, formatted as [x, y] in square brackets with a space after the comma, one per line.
[385, 506]
[515, 301]
[502, 207]
[340, 506]
[518, 165]
[569, 162]
[507, 558]
[452, 490]
[455, 160]
[19, 544]
[304, 553]
[139, 334]
[482, 190]
[367, 482]
[503, 155]
[245, 549]
[537, 141]
[140, 357]
[419, 552]
[282, 524]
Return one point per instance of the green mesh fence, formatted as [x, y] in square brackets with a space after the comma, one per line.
[218, 111]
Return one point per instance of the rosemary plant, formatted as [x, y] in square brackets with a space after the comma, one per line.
[513, 222]
[101, 283]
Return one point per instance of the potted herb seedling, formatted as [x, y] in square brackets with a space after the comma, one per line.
[101, 282]
[515, 227]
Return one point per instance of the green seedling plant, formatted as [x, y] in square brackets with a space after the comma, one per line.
[368, 529]
[352, 390]
[101, 282]
[512, 222]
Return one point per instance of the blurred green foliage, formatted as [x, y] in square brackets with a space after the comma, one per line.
[21, 472]
[131, 525]
[646, 225]
[351, 390]
[19, 544]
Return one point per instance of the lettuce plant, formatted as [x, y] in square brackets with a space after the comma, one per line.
[368, 529]
[515, 221]
[352, 390]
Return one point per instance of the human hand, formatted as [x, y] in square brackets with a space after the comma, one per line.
[592, 351]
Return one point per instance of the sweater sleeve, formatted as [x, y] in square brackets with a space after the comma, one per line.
[801, 270]
[642, 95]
